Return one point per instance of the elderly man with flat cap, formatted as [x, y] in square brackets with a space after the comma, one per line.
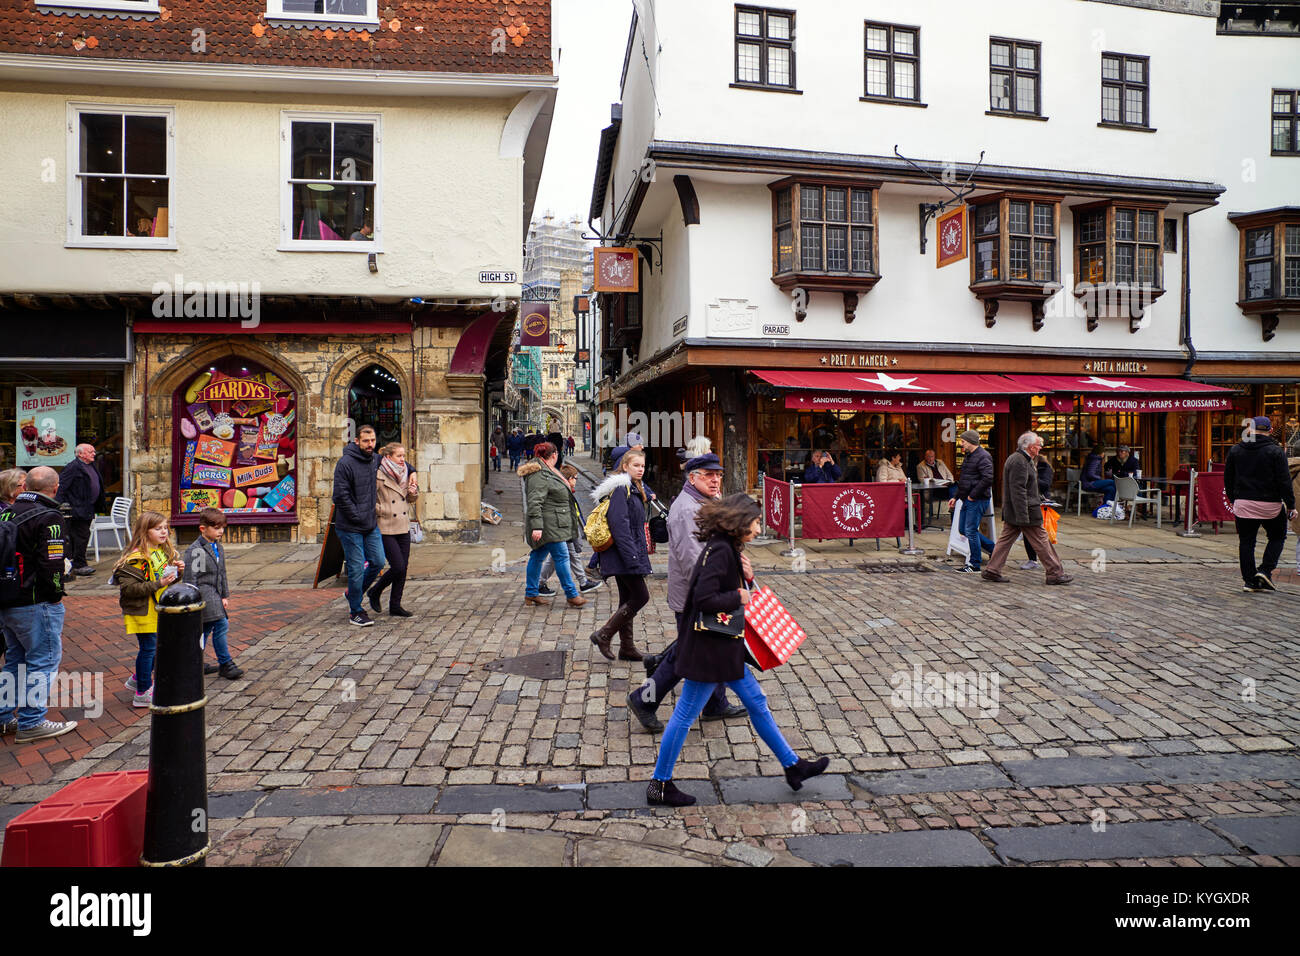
[703, 484]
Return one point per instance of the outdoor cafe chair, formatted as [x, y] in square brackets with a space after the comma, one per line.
[1074, 483]
[1127, 490]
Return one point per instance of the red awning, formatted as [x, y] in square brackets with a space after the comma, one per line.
[1119, 393]
[376, 326]
[882, 391]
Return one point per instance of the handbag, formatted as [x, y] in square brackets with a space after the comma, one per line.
[658, 522]
[721, 623]
[417, 533]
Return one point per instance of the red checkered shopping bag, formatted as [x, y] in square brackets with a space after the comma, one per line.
[771, 634]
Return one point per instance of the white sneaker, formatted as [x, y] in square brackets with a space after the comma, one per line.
[130, 682]
[46, 728]
[143, 700]
[1029, 566]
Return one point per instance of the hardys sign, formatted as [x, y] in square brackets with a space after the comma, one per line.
[236, 390]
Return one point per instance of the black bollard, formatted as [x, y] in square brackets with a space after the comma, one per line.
[176, 806]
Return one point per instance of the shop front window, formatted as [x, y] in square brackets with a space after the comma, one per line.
[1282, 406]
[857, 441]
[234, 443]
[1187, 440]
[43, 420]
[1069, 437]
[1227, 427]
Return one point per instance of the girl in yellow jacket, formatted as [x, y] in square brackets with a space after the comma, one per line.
[148, 567]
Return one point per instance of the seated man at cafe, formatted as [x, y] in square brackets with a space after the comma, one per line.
[822, 468]
[891, 469]
[1122, 464]
[932, 468]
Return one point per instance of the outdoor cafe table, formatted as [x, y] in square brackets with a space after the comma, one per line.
[1174, 484]
[928, 490]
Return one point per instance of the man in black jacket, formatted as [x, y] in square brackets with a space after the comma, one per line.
[1258, 485]
[354, 520]
[975, 489]
[80, 488]
[33, 621]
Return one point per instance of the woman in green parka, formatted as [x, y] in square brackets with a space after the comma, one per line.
[551, 520]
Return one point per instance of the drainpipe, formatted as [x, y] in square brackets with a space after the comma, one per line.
[1186, 318]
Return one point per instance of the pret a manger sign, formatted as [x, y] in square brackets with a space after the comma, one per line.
[236, 390]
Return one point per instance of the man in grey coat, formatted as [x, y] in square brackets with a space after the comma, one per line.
[1022, 513]
[703, 484]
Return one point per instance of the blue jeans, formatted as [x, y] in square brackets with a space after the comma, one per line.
[359, 547]
[575, 566]
[691, 700]
[972, 513]
[34, 637]
[1105, 486]
[559, 553]
[217, 630]
[144, 661]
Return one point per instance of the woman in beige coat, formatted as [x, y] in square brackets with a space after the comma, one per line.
[395, 491]
[892, 468]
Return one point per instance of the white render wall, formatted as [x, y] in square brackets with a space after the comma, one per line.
[1209, 104]
[450, 205]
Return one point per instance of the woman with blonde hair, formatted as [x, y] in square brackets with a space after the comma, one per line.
[627, 559]
[13, 482]
[149, 565]
[395, 492]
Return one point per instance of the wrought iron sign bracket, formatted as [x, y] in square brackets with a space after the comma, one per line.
[928, 210]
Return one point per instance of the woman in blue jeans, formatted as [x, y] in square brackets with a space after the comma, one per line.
[550, 521]
[720, 587]
[1093, 479]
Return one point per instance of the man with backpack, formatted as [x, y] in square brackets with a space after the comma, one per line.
[31, 607]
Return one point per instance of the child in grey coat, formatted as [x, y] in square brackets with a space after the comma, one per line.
[205, 568]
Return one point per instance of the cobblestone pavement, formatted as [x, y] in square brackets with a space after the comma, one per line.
[1145, 715]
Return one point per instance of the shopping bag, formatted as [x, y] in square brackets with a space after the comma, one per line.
[771, 634]
[1051, 517]
[956, 540]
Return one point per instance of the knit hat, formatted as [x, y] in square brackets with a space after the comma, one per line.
[971, 435]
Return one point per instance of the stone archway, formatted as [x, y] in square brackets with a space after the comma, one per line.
[339, 379]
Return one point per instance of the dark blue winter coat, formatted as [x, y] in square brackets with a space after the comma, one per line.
[627, 524]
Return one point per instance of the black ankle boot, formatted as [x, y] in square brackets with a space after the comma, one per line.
[664, 793]
[797, 773]
[399, 611]
[374, 600]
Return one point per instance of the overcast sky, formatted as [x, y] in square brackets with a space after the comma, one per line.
[589, 37]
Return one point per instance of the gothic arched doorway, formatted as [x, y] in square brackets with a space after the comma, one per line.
[375, 398]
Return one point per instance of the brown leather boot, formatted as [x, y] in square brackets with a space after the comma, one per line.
[533, 599]
[576, 601]
[603, 635]
[626, 649]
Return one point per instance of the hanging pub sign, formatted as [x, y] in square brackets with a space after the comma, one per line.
[616, 270]
[535, 329]
[951, 229]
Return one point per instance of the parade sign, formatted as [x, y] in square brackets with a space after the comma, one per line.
[46, 422]
[777, 507]
[875, 509]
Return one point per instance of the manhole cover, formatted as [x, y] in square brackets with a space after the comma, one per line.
[544, 665]
[878, 567]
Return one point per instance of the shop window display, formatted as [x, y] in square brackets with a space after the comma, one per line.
[234, 444]
[857, 441]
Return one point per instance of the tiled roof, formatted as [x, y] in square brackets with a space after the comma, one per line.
[462, 36]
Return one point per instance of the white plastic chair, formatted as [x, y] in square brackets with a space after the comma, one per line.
[118, 519]
[1126, 490]
[1074, 482]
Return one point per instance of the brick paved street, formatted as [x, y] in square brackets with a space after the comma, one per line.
[1147, 692]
